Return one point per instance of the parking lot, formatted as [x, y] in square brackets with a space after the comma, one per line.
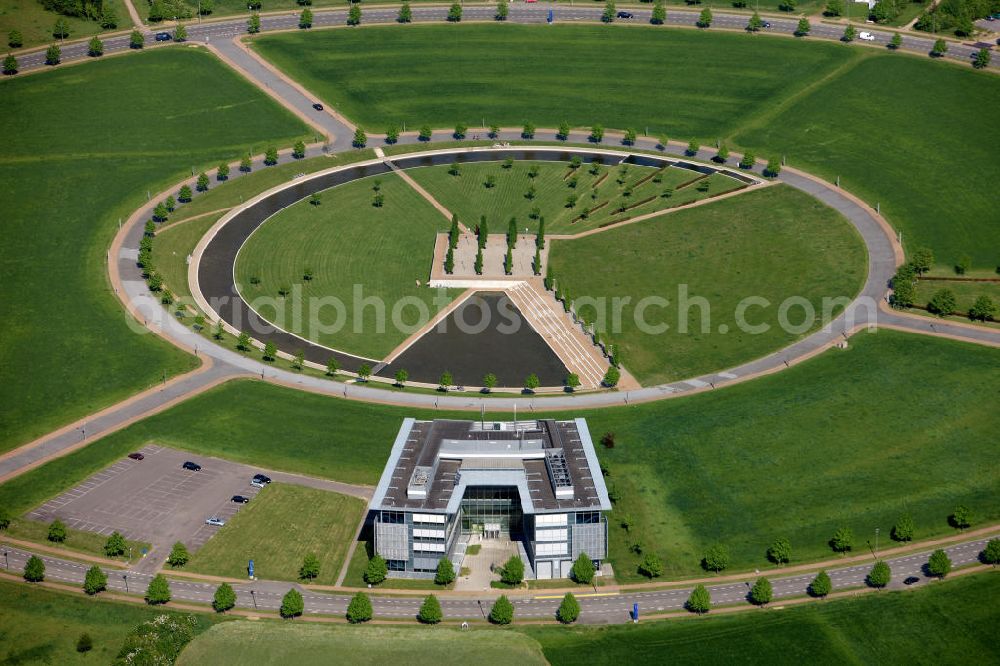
[154, 499]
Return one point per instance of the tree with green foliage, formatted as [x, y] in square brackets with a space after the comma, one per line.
[939, 564]
[692, 148]
[310, 567]
[445, 574]
[904, 287]
[583, 569]
[10, 65]
[95, 47]
[611, 377]
[4, 519]
[531, 383]
[716, 558]
[401, 377]
[569, 609]
[528, 131]
[405, 13]
[982, 59]
[478, 264]
[306, 19]
[961, 517]
[179, 555]
[160, 212]
[53, 55]
[963, 264]
[219, 330]
[991, 553]
[596, 134]
[455, 13]
[659, 15]
[360, 138]
[489, 381]
[748, 160]
[364, 372]
[939, 49]
[354, 14]
[879, 576]
[821, 585]
[15, 39]
[942, 303]
[572, 380]
[512, 572]
[34, 569]
[136, 40]
[503, 11]
[377, 570]
[60, 29]
[849, 33]
[755, 23]
[292, 604]
[84, 643]
[202, 183]
[842, 540]
[332, 365]
[761, 593]
[722, 154]
[243, 341]
[430, 611]
[158, 591]
[983, 309]
[780, 552]
[115, 545]
[502, 611]
[180, 33]
[359, 609]
[425, 133]
[773, 167]
[170, 203]
[246, 164]
[896, 41]
[903, 529]
[446, 381]
[563, 132]
[608, 16]
[651, 565]
[271, 156]
[299, 150]
[705, 18]
[449, 261]
[57, 531]
[253, 23]
[155, 282]
[700, 601]
[95, 580]
[834, 8]
[224, 599]
[803, 28]
[923, 260]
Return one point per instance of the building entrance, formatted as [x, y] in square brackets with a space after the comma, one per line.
[492, 512]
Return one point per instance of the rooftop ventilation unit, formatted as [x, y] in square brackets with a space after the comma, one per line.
[555, 463]
[420, 481]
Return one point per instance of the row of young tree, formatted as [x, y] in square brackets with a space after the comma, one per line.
[943, 302]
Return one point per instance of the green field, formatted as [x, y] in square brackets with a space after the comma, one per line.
[282, 525]
[948, 623]
[774, 243]
[36, 23]
[39, 626]
[174, 245]
[792, 454]
[301, 644]
[356, 252]
[817, 103]
[966, 293]
[68, 350]
[603, 192]
[79, 541]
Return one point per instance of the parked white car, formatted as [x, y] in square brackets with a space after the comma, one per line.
[867, 36]
[216, 521]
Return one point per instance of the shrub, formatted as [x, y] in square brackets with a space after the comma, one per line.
[700, 600]
[903, 529]
[569, 609]
[761, 593]
[115, 545]
[445, 574]
[939, 564]
[780, 552]
[942, 303]
[310, 567]
[430, 610]
[95, 580]
[879, 576]
[583, 569]
[360, 609]
[179, 555]
[651, 565]
[821, 585]
[224, 599]
[84, 643]
[157, 641]
[292, 605]
[377, 570]
[158, 591]
[961, 517]
[512, 572]
[34, 569]
[842, 540]
[57, 531]
[991, 554]
[716, 559]
[502, 611]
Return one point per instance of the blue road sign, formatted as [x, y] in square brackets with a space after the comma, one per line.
[551, 16]
[250, 568]
[635, 612]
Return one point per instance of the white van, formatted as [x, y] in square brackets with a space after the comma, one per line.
[867, 36]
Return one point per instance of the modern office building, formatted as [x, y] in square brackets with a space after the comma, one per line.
[537, 483]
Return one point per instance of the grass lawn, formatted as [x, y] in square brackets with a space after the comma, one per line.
[773, 243]
[356, 252]
[36, 23]
[68, 351]
[40, 626]
[174, 244]
[79, 541]
[818, 104]
[302, 644]
[601, 191]
[966, 293]
[355, 577]
[950, 622]
[282, 525]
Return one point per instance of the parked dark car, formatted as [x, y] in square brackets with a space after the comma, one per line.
[163, 37]
[766, 24]
[911, 580]
[318, 106]
[136, 456]
[240, 499]
[260, 480]
[194, 467]
[625, 15]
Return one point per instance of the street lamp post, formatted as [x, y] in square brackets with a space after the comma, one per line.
[6, 561]
[254, 600]
[125, 578]
[876, 541]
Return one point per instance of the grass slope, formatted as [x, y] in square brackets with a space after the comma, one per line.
[357, 252]
[944, 623]
[821, 104]
[39, 626]
[271, 642]
[467, 196]
[36, 23]
[70, 171]
[773, 243]
[896, 423]
[282, 525]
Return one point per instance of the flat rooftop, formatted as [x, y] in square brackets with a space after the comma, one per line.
[553, 464]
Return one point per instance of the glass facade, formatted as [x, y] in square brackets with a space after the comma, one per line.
[492, 505]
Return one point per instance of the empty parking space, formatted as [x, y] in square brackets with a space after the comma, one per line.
[154, 499]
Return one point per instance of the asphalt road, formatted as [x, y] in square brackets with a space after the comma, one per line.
[596, 608]
[212, 32]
